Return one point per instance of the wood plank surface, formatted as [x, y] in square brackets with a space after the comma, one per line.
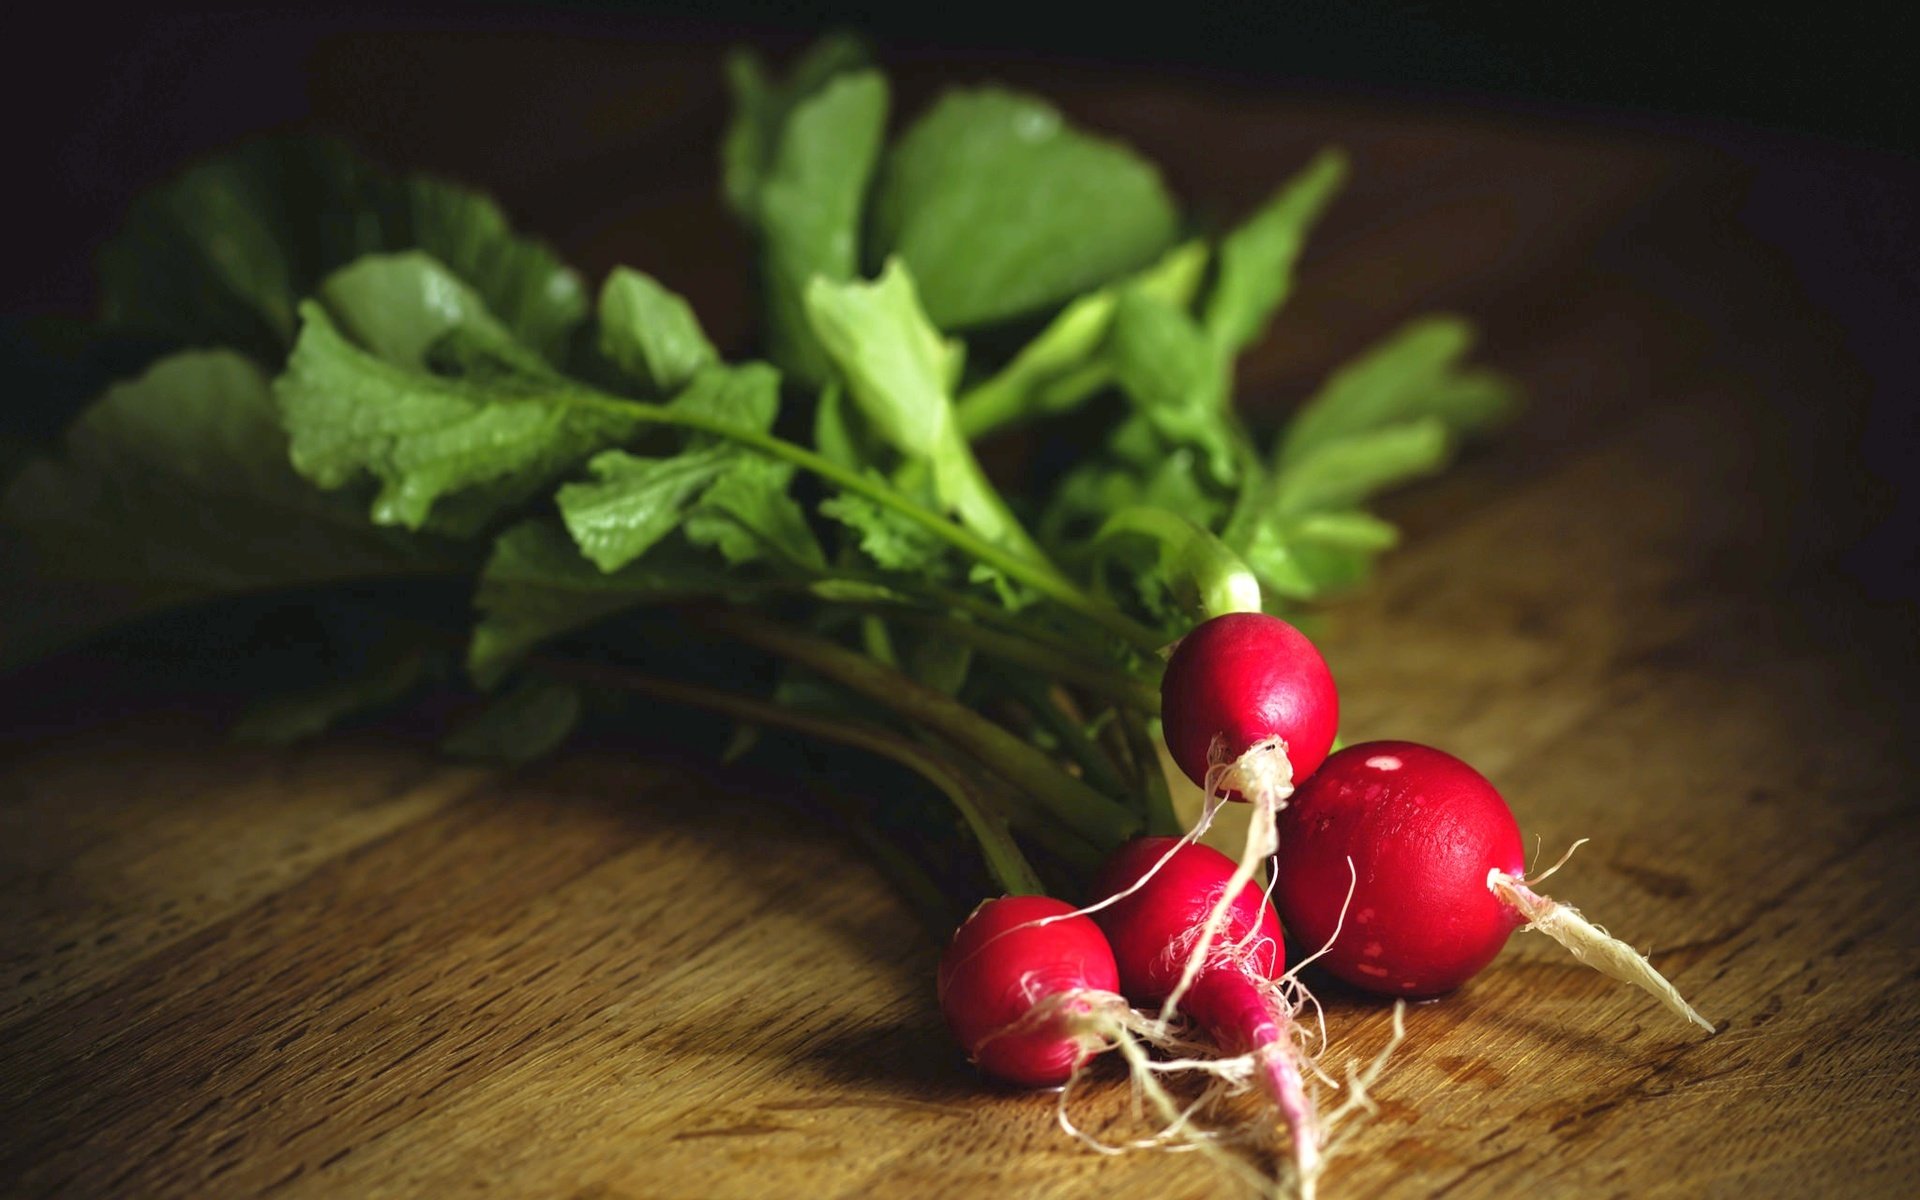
[356, 969]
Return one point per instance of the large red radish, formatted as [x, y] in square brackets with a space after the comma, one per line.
[1437, 876]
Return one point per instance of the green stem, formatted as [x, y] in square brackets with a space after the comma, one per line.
[1004, 400]
[1222, 580]
[1039, 701]
[1102, 821]
[1162, 820]
[1022, 627]
[1007, 864]
[1039, 575]
[1045, 661]
[1062, 366]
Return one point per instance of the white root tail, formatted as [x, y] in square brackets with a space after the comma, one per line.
[1590, 944]
[1264, 775]
[1105, 1022]
[1338, 1126]
[1111, 1024]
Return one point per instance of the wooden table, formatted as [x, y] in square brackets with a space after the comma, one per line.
[355, 969]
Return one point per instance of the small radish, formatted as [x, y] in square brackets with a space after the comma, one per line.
[1242, 679]
[1030, 989]
[1248, 708]
[1158, 893]
[1437, 877]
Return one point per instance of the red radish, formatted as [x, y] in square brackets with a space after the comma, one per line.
[1030, 987]
[1247, 677]
[1248, 707]
[1023, 986]
[1162, 894]
[1437, 877]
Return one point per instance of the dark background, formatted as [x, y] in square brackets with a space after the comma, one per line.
[102, 101]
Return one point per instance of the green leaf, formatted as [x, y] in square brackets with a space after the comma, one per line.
[537, 586]
[761, 108]
[889, 539]
[633, 502]
[748, 515]
[720, 493]
[896, 365]
[1136, 467]
[900, 371]
[810, 207]
[491, 440]
[391, 670]
[1067, 361]
[1393, 415]
[1352, 530]
[173, 487]
[401, 307]
[1405, 377]
[1257, 259]
[1175, 377]
[520, 725]
[839, 434]
[745, 397]
[1307, 558]
[1002, 209]
[1340, 474]
[224, 253]
[651, 333]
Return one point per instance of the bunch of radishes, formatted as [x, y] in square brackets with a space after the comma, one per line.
[1397, 864]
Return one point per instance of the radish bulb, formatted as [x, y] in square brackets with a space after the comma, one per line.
[1437, 874]
[1158, 895]
[1030, 990]
[1029, 987]
[1242, 679]
[1249, 709]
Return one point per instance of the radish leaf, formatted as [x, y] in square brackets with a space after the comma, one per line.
[492, 437]
[224, 253]
[1001, 208]
[1256, 260]
[650, 333]
[527, 722]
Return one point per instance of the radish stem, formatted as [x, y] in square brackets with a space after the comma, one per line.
[1005, 862]
[1037, 573]
[1041, 659]
[1162, 819]
[1100, 820]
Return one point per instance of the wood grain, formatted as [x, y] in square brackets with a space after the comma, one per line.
[355, 969]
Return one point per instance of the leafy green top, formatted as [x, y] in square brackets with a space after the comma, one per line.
[375, 377]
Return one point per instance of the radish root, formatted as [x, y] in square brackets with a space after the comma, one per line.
[1590, 944]
[1337, 1128]
[1104, 1021]
[1264, 776]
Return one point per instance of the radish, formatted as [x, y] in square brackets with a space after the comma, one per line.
[1030, 989]
[1248, 707]
[1239, 680]
[1159, 896]
[1436, 869]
